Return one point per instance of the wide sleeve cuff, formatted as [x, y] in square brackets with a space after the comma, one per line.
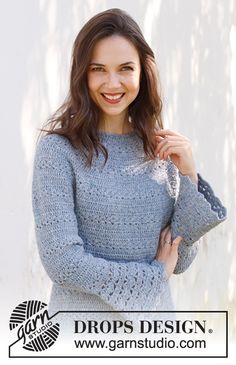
[197, 210]
[215, 203]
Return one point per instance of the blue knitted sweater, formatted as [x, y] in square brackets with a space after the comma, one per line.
[98, 228]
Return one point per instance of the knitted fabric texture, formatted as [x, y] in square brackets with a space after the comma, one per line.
[98, 228]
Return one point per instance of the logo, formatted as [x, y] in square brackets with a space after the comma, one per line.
[34, 326]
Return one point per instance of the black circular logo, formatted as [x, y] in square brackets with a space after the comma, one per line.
[34, 326]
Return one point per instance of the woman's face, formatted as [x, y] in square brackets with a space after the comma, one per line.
[114, 75]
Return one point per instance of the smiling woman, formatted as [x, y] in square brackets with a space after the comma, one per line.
[111, 233]
[110, 56]
[113, 81]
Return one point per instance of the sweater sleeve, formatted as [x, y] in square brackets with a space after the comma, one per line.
[126, 285]
[197, 210]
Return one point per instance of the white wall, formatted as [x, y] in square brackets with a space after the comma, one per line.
[195, 46]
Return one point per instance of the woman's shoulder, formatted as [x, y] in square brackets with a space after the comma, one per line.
[53, 141]
[54, 146]
[55, 149]
[54, 152]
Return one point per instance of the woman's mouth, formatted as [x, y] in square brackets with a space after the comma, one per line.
[113, 99]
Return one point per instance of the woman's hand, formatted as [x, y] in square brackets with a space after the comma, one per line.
[167, 251]
[178, 148]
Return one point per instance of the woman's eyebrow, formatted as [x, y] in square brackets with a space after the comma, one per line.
[100, 64]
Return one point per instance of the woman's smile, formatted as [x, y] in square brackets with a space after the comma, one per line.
[113, 99]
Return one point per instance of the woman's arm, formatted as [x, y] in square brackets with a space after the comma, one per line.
[125, 286]
[197, 210]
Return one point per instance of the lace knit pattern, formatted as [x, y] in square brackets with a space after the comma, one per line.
[98, 228]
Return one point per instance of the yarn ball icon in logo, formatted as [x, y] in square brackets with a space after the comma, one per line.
[34, 325]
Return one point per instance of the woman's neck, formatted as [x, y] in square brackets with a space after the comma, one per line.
[115, 125]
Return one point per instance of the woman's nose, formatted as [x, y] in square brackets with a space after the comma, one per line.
[113, 80]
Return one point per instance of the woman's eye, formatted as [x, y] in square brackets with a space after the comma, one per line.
[97, 69]
[127, 67]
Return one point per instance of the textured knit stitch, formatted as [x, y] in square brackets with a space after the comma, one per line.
[98, 228]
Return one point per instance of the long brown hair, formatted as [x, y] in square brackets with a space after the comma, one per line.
[78, 117]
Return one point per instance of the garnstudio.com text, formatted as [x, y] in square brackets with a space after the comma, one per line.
[146, 343]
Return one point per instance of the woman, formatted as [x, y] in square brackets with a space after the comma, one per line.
[117, 201]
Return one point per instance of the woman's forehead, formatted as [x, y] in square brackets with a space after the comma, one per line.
[114, 48]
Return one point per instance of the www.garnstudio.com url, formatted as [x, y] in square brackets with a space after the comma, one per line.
[146, 343]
